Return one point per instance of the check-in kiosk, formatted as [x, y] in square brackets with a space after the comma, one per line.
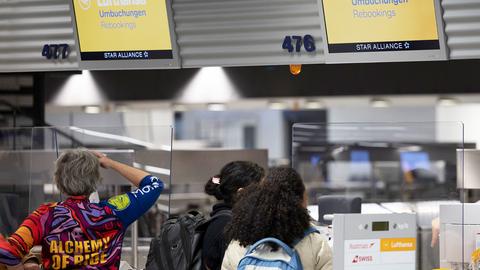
[374, 241]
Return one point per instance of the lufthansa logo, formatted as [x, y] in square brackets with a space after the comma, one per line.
[85, 4]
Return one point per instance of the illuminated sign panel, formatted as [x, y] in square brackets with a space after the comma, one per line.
[109, 30]
[380, 254]
[386, 26]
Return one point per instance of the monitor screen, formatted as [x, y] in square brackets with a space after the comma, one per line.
[359, 156]
[115, 33]
[382, 30]
[380, 226]
[360, 166]
[414, 160]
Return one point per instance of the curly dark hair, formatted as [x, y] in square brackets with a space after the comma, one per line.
[232, 177]
[272, 208]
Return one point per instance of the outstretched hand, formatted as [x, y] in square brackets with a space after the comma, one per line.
[134, 175]
[102, 158]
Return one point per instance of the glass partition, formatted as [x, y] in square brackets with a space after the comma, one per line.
[15, 146]
[145, 147]
[382, 191]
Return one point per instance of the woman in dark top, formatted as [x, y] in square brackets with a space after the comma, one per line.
[224, 187]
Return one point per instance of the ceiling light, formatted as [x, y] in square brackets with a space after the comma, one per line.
[446, 101]
[380, 103]
[91, 109]
[313, 104]
[80, 89]
[210, 84]
[216, 107]
[410, 148]
[277, 105]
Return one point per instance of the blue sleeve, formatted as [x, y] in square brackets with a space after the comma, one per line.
[132, 205]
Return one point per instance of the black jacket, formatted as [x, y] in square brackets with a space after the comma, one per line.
[214, 244]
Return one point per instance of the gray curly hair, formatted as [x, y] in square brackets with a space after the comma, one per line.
[77, 172]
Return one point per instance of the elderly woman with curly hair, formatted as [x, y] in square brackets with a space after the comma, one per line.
[276, 207]
[75, 233]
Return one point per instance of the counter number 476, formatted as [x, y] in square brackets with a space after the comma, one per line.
[292, 43]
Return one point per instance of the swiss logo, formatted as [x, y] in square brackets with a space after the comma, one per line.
[361, 259]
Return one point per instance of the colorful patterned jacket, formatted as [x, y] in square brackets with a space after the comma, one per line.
[77, 234]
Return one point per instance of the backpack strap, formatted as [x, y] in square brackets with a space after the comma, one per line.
[308, 231]
[284, 246]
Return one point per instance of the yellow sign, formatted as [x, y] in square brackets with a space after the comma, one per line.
[398, 244]
[123, 29]
[393, 25]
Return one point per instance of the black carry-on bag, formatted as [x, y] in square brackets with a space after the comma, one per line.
[179, 245]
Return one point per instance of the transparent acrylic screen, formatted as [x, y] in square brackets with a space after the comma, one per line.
[403, 173]
[15, 149]
[28, 157]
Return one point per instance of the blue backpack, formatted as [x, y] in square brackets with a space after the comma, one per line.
[260, 256]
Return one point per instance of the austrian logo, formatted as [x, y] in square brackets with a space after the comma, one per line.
[85, 4]
[361, 245]
[361, 259]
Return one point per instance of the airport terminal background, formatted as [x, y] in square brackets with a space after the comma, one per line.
[398, 153]
[390, 136]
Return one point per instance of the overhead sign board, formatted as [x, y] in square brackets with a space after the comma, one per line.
[382, 30]
[124, 34]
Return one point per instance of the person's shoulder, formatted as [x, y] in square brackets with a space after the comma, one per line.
[115, 203]
[318, 237]
[233, 255]
[315, 239]
[234, 247]
[49, 204]
[45, 207]
[220, 219]
[235, 244]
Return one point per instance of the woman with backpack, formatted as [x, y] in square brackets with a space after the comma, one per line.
[275, 208]
[225, 187]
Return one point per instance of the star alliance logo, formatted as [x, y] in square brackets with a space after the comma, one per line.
[85, 4]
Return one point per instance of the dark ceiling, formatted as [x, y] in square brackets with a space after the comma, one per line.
[443, 77]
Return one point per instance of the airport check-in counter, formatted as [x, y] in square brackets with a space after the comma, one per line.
[400, 183]
[404, 176]
[406, 223]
